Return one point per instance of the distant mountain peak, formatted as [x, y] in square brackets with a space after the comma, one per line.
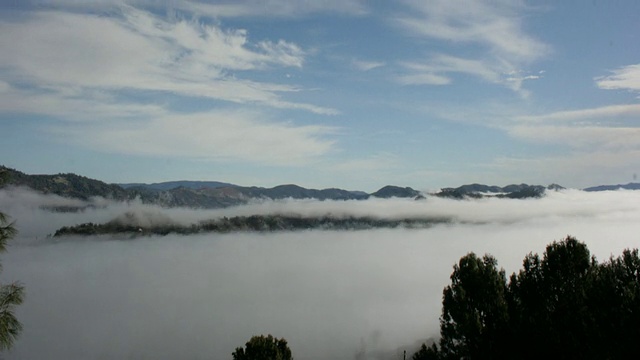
[390, 191]
[513, 191]
[169, 185]
[629, 186]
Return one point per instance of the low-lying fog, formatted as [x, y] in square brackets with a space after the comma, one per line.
[331, 294]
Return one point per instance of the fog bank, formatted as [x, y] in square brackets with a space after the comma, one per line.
[33, 221]
[332, 295]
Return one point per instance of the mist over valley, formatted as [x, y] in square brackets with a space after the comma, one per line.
[341, 293]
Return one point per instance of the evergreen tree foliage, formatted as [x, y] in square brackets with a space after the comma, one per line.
[561, 305]
[263, 348]
[548, 301]
[427, 353]
[11, 295]
[474, 309]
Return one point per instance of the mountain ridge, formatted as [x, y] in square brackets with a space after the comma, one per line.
[169, 185]
[217, 194]
[629, 186]
[198, 194]
[512, 191]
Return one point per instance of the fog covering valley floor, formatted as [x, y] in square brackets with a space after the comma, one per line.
[332, 294]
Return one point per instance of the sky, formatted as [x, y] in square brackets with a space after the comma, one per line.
[336, 93]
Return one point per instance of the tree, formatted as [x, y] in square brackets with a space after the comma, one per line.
[548, 301]
[568, 306]
[614, 292]
[427, 353]
[474, 310]
[561, 305]
[263, 348]
[11, 295]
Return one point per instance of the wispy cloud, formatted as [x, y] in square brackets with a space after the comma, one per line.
[492, 26]
[274, 8]
[82, 69]
[602, 142]
[142, 52]
[213, 136]
[602, 114]
[218, 9]
[602, 129]
[581, 146]
[364, 65]
[581, 167]
[584, 137]
[426, 78]
[434, 70]
[624, 78]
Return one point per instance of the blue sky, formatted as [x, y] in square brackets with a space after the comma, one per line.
[345, 93]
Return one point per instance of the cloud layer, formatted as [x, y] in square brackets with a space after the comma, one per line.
[330, 294]
[98, 75]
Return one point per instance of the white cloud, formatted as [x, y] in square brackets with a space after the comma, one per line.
[604, 130]
[81, 68]
[603, 113]
[603, 143]
[285, 53]
[65, 103]
[214, 136]
[515, 80]
[586, 137]
[218, 8]
[437, 69]
[495, 26]
[625, 78]
[273, 8]
[367, 65]
[431, 72]
[582, 167]
[423, 79]
[142, 52]
[581, 146]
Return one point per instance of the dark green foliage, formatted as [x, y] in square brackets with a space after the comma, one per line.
[563, 305]
[260, 223]
[474, 309]
[172, 194]
[11, 295]
[427, 353]
[68, 185]
[263, 348]
[615, 293]
[548, 300]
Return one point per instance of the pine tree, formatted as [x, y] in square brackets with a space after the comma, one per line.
[11, 295]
